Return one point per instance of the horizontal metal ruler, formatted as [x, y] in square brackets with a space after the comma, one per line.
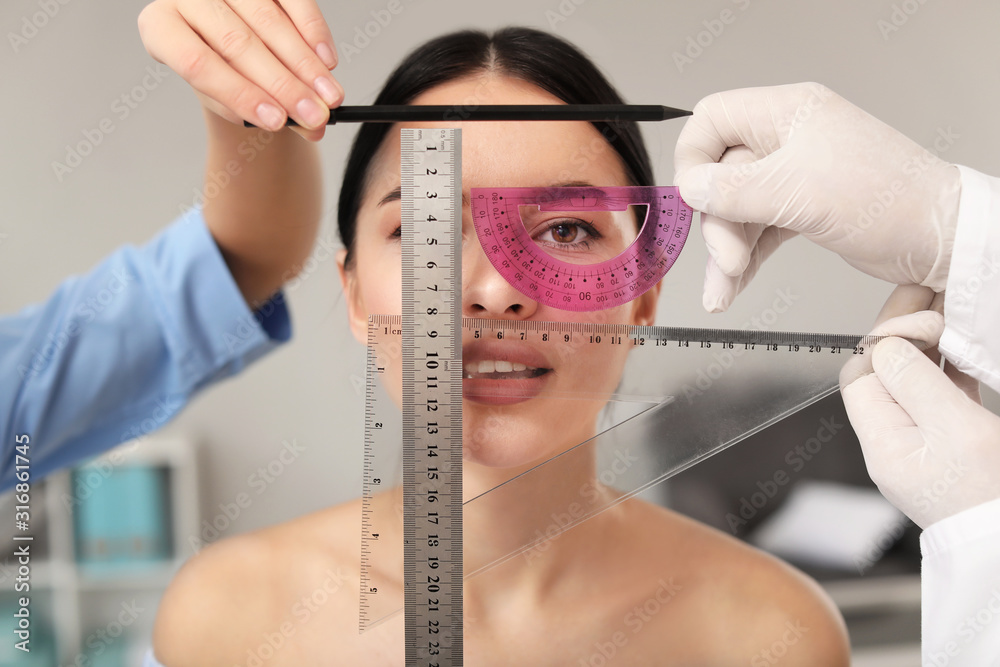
[685, 337]
[558, 334]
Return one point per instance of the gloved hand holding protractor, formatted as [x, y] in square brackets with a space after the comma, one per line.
[811, 163]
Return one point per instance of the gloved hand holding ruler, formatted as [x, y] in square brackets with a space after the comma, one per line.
[696, 392]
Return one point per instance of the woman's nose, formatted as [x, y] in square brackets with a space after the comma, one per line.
[486, 293]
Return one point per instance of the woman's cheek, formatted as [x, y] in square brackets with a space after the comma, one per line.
[385, 289]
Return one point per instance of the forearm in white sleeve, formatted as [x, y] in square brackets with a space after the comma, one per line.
[961, 554]
[960, 597]
[971, 339]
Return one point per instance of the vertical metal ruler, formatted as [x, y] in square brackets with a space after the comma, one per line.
[431, 195]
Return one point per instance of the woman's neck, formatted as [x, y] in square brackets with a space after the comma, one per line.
[520, 517]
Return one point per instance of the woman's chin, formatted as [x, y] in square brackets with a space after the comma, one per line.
[520, 436]
[498, 456]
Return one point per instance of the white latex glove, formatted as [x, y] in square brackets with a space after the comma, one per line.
[930, 446]
[824, 169]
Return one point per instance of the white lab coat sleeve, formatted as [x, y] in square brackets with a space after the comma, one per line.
[971, 338]
[960, 596]
[961, 554]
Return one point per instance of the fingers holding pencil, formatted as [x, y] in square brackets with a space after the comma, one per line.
[252, 60]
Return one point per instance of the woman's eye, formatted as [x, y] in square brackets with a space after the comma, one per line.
[565, 232]
[397, 233]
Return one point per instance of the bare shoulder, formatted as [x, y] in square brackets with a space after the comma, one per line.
[758, 607]
[235, 592]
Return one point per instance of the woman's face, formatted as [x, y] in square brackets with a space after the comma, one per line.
[500, 154]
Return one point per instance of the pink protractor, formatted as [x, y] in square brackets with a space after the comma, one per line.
[579, 286]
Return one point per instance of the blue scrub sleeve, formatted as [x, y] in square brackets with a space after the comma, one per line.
[114, 354]
[149, 660]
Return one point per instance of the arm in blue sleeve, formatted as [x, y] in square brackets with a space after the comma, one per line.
[116, 353]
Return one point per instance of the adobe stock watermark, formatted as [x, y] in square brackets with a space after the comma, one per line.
[363, 35]
[120, 109]
[91, 476]
[589, 493]
[697, 44]
[562, 12]
[901, 13]
[33, 24]
[772, 655]
[967, 630]
[582, 156]
[796, 458]
[163, 410]
[968, 289]
[724, 355]
[82, 314]
[258, 482]
[486, 430]
[101, 639]
[819, 95]
[634, 621]
[247, 327]
[585, 154]
[913, 168]
[325, 248]
[903, 356]
[741, 175]
[879, 545]
[462, 110]
[388, 348]
[217, 181]
[933, 494]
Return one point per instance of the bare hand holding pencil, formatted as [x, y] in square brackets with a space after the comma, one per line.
[254, 61]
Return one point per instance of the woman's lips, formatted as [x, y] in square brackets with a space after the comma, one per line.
[503, 373]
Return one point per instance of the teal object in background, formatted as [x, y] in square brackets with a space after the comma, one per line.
[123, 518]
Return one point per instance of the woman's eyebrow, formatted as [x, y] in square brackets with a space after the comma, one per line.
[571, 184]
[592, 190]
[397, 193]
[394, 195]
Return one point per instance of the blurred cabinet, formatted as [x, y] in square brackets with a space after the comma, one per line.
[108, 538]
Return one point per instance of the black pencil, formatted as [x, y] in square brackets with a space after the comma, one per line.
[401, 113]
